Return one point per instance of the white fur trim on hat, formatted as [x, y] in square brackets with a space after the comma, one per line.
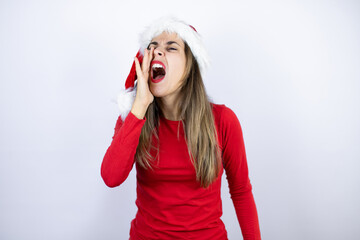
[125, 100]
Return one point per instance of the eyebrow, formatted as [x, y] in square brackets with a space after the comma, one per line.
[168, 43]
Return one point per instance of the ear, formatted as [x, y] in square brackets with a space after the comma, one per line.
[125, 100]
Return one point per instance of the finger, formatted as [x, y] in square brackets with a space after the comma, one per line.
[145, 59]
[148, 60]
[151, 55]
[137, 66]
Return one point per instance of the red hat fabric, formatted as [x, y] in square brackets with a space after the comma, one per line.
[132, 75]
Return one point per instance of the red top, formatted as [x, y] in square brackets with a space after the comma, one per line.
[171, 204]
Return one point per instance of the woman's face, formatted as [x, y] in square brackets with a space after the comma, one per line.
[169, 54]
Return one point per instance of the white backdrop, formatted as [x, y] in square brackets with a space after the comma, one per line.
[288, 69]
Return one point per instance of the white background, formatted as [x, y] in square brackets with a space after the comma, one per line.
[288, 69]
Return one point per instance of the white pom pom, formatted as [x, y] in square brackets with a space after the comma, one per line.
[125, 100]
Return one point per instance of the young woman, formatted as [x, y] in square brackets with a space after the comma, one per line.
[179, 141]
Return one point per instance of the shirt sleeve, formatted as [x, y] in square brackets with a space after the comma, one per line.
[236, 168]
[120, 155]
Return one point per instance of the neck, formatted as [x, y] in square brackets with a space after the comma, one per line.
[169, 108]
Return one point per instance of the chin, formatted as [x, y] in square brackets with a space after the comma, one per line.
[156, 92]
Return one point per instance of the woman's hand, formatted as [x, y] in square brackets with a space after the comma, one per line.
[143, 94]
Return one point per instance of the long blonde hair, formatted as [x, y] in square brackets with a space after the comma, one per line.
[198, 122]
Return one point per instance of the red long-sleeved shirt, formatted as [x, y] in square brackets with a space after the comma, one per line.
[171, 204]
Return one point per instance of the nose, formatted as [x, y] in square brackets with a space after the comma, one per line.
[157, 51]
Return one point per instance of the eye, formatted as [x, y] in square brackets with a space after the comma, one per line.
[172, 48]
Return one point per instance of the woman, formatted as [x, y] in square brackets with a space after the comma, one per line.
[180, 142]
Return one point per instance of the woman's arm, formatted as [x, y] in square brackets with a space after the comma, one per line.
[235, 164]
[120, 156]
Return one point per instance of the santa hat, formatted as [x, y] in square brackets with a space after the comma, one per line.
[169, 24]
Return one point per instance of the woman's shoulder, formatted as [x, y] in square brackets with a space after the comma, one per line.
[217, 108]
[226, 122]
[223, 113]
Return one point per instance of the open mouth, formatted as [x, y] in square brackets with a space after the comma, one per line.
[157, 70]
